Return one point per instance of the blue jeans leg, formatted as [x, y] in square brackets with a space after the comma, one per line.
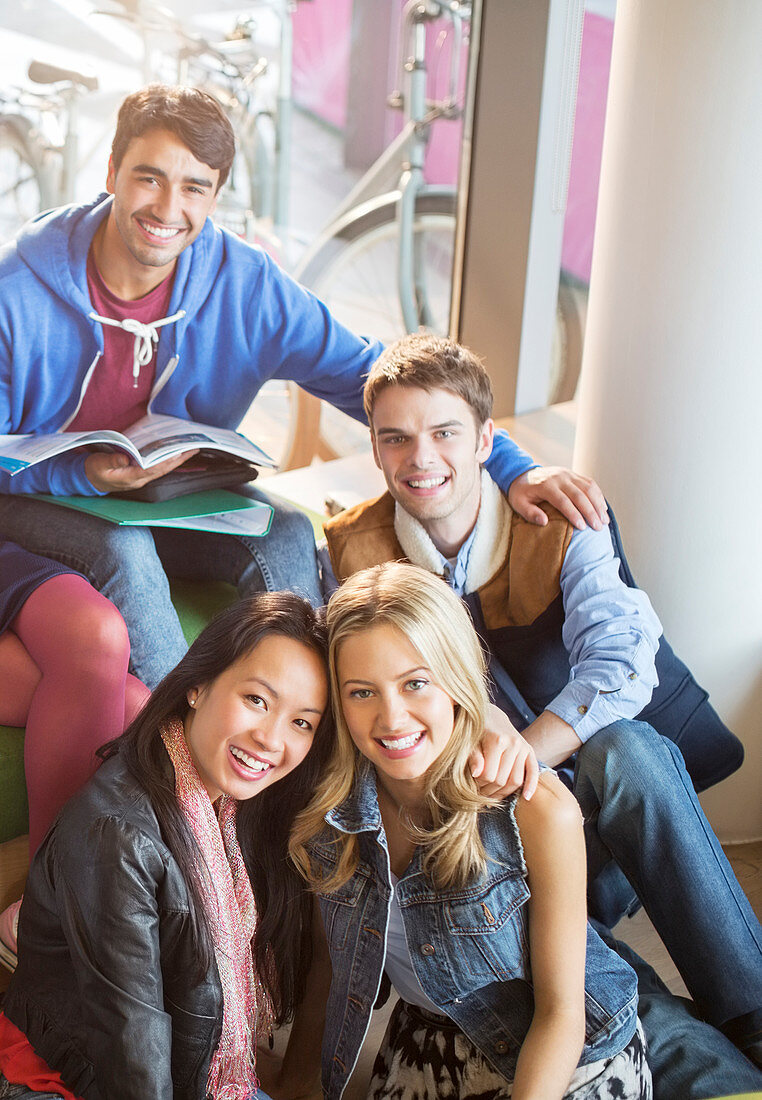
[285, 558]
[689, 1059]
[610, 896]
[640, 809]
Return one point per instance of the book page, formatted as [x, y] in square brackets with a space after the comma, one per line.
[17, 452]
[148, 441]
[157, 437]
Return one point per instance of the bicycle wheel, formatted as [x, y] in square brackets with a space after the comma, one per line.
[22, 193]
[355, 274]
[568, 339]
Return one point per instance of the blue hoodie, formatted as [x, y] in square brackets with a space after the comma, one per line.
[244, 322]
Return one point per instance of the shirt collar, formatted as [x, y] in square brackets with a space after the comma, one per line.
[359, 811]
[456, 574]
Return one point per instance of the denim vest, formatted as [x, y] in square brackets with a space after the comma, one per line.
[469, 946]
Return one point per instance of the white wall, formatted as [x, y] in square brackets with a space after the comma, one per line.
[670, 418]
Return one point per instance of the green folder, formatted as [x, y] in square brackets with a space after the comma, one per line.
[207, 511]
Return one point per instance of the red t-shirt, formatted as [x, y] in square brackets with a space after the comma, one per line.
[111, 400]
[21, 1066]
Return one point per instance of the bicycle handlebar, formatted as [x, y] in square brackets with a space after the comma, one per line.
[415, 14]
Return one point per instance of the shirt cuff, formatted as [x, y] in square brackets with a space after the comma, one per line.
[588, 710]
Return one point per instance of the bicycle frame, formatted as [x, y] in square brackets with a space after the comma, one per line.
[282, 182]
[70, 147]
[398, 174]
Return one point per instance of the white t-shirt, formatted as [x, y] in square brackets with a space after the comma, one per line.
[398, 965]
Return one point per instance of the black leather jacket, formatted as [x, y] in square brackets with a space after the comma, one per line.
[102, 989]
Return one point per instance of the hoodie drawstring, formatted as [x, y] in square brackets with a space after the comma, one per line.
[146, 336]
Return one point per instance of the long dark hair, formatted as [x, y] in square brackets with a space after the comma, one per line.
[283, 941]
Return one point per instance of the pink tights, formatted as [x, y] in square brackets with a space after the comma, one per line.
[63, 673]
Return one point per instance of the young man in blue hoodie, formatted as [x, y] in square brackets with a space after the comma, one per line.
[137, 302]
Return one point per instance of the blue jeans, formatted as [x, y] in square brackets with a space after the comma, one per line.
[641, 810]
[689, 1059]
[9, 1091]
[130, 566]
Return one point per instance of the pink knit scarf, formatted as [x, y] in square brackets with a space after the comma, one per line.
[230, 911]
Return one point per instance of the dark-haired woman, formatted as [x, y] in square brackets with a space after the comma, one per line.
[64, 654]
[161, 930]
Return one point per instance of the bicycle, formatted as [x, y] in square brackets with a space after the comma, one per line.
[383, 264]
[36, 170]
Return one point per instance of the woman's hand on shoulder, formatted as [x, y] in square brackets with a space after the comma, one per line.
[504, 761]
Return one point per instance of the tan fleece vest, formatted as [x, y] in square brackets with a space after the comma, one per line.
[522, 588]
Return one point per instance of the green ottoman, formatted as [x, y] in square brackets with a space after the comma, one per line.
[13, 806]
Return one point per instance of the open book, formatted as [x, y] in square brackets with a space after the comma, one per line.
[148, 441]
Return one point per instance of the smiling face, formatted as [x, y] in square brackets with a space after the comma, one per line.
[430, 451]
[162, 197]
[255, 722]
[397, 714]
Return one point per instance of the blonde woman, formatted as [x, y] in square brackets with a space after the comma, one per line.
[474, 909]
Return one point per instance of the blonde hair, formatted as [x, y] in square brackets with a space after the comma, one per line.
[436, 623]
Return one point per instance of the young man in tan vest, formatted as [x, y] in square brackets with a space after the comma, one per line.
[575, 656]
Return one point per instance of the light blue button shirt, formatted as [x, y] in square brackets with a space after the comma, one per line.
[455, 575]
[610, 631]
